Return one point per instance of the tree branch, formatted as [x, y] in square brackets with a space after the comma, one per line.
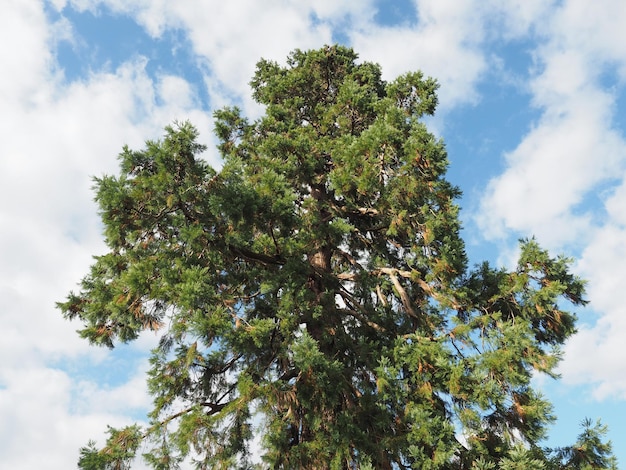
[215, 408]
[353, 303]
[258, 257]
[404, 297]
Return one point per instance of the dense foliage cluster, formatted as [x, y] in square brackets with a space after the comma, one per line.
[315, 291]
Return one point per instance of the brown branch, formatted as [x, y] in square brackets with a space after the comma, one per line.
[362, 319]
[404, 297]
[346, 276]
[380, 295]
[258, 257]
[407, 275]
[367, 211]
[215, 408]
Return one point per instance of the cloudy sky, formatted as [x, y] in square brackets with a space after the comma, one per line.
[532, 108]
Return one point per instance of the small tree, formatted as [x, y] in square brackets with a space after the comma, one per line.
[319, 282]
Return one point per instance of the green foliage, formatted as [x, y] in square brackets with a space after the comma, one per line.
[588, 453]
[120, 450]
[318, 281]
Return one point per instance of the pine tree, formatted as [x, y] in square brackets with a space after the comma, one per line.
[318, 282]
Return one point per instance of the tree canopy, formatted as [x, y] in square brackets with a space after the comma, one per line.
[315, 291]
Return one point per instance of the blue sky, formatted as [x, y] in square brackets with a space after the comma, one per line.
[532, 109]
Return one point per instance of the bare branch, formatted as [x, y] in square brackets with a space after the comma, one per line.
[214, 409]
[407, 275]
[380, 295]
[363, 319]
[367, 211]
[346, 276]
[404, 297]
[249, 255]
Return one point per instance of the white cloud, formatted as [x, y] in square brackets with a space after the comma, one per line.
[48, 157]
[596, 354]
[594, 357]
[90, 397]
[39, 428]
[574, 146]
[519, 17]
[230, 37]
[614, 204]
[595, 28]
[569, 152]
[23, 71]
[572, 151]
[56, 135]
[445, 44]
